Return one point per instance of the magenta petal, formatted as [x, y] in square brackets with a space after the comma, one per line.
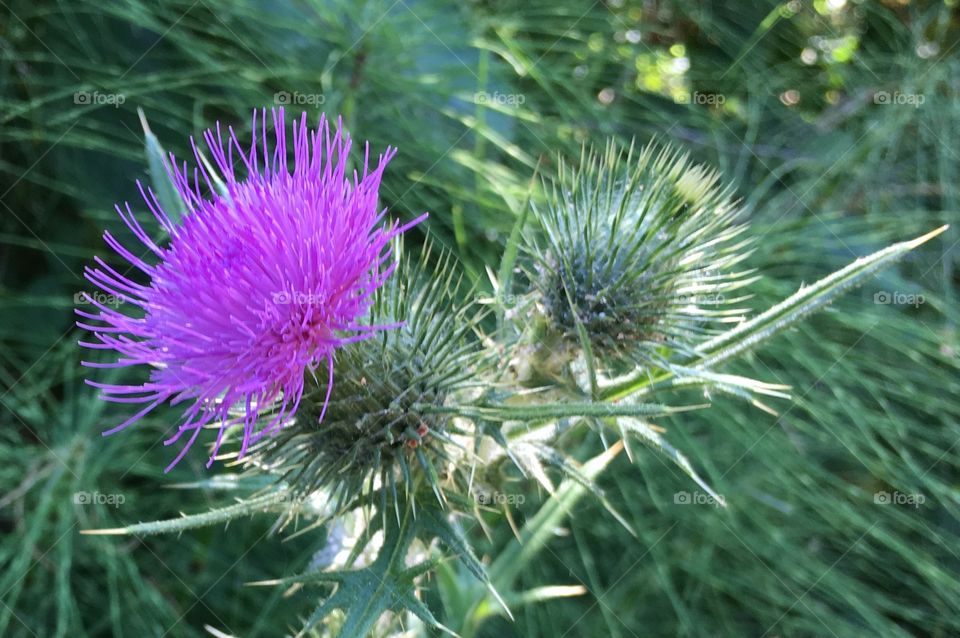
[253, 287]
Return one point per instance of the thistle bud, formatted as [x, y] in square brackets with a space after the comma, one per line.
[637, 250]
[377, 423]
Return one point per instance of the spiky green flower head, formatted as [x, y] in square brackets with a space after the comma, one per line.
[384, 425]
[635, 254]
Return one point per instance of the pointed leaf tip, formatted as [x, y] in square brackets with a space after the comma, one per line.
[160, 178]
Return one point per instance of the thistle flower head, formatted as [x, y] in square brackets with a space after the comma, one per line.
[261, 281]
[636, 249]
[383, 419]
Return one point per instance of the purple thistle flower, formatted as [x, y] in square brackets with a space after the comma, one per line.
[256, 286]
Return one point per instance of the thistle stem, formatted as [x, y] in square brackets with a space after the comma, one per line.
[554, 411]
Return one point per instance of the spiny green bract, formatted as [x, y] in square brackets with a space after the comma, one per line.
[637, 248]
[378, 423]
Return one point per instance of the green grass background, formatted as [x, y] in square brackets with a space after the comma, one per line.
[782, 97]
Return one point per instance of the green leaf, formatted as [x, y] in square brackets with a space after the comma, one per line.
[652, 438]
[569, 468]
[161, 183]
[387, 584]
[469, 608]
[505, 275]
[437, 523]
[539, 529]
[805, 301]
[365, 594]
[778, 318]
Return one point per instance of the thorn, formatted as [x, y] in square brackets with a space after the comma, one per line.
[143, 120]
[500, 600]
[264, 583]
[112, 531]
[913, 243]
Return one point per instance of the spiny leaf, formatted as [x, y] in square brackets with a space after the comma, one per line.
[567, 466]
[256, 505]
[437, 523]
[805, 301]
[652, 438]
[692, 376]
[365, 594]
[751, 333]
[525, 456]
[538, 529]
[387, 584]
[421, 611]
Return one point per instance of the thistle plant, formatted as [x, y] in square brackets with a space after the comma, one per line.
[627, 279]
[257, 285]
[384, 421]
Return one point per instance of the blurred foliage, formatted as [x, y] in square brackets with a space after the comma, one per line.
[838, 121]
